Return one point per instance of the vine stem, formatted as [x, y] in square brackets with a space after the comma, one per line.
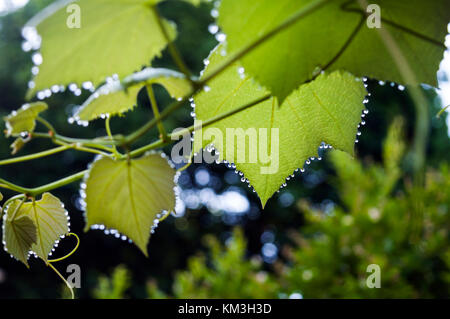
[303, 12]
[33, 192]
[35, 155]
[421, 130]
[154, 105]
[176, 56]
[419, 100]
[174, 136]
[108, 131]
[63, 279]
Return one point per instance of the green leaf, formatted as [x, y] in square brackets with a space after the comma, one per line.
[17, 145]
[50, 219]
[115, 37]
[291, 57]
[24, 119]
[128, 195]
[325, 110]
[116, 97]
[19, 235]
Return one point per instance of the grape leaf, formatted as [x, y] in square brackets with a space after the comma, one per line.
[116, 97]
[127, 195]
[50, 220]
[17, 145]
[326, 110]
[115, 37]
[292, 57]
[24, 119]
[19, 234]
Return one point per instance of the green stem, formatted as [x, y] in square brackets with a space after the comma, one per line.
[33, 192]
[35, 156]
[176, 56]
[99, 143]
[419, 100]
[46, 124]
[171, 137]
[60, 183]
[108, 131]
[151, 96]
[149, 125]
[220, 117]
[12, 186]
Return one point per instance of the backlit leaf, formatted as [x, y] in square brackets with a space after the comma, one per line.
[325, 110]
[117, 97]
[24, 119]
[115, 37]
[127, 195]
[19, 233]
[17, 145]
[291, 57]
[50, 219]
[19, 236]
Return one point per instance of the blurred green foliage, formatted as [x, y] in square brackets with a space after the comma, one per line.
[423, 247]
[405, 232]
[114, 287]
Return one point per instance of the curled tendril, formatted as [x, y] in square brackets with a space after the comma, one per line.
[191, 156]
[50, 261]
[442, 111]
[69, 254]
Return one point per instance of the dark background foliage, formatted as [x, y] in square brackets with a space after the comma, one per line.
[177, 238]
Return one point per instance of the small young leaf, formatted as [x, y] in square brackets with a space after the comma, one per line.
[326, 110]
[117, 97]
[17, 145]
[24, 119]
[113, 37]
[127, 195]
[50, 219]
[314, 42]
[19, 233]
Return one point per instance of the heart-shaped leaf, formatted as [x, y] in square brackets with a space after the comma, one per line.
[112, 37]
[50, 218]
[326, 110]
[128, 195]
[19, 233]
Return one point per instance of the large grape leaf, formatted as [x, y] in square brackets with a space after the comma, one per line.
[19, 233]
[128, 195]
[50, 221]
[117, 97]
[326, 110]
[291, 57]
[24, 119]
[115, 37]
